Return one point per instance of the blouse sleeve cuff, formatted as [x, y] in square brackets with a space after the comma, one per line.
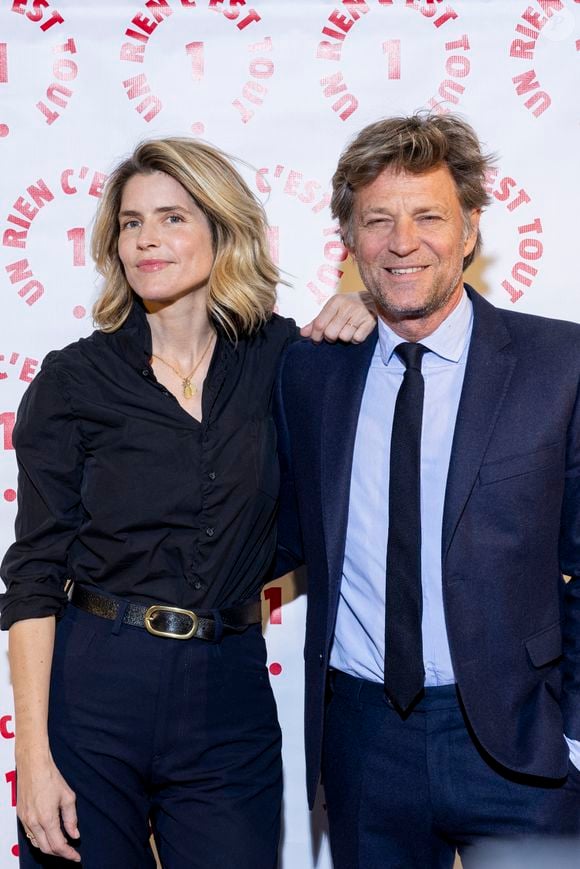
[36, 607]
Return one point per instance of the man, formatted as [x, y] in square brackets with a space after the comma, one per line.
[435, 497]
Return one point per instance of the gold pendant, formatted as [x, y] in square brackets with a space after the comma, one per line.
[189, 389]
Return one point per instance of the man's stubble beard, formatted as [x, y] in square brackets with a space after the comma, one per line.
[431, 306]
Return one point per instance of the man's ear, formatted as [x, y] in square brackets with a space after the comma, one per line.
[346, 237]
[471, 236]
[349, 246]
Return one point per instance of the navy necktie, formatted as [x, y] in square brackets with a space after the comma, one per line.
[404, 672]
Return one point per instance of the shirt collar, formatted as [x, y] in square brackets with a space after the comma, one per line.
[448, 341]
[133, 338]
[134, 343]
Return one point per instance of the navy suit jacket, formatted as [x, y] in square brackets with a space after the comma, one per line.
[511, 527]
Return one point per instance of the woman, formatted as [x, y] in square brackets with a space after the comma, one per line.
[148, 474]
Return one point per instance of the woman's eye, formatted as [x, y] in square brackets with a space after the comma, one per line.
[175, 218]
[130, 224]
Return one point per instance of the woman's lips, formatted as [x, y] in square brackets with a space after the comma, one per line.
[152, 265]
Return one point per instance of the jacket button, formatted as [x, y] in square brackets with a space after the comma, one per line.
[145, 372]
[210, 532]
[211, 475]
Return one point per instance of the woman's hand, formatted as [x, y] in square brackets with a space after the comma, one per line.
[46, 805]
[349, 317]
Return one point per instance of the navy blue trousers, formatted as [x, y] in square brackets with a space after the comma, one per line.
[408, 794]
[178, 735]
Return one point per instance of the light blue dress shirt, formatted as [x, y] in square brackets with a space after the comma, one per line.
[359, 638]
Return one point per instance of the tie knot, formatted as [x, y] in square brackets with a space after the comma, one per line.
[411, 354]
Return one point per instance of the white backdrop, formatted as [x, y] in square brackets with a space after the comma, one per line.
[281, 84]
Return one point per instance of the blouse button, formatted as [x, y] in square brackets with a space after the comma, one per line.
[210, 532]
[211, 475]
[145, 372]
[197, 585]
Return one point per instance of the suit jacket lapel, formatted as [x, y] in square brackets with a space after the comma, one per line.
[490, 364]
[343, 389]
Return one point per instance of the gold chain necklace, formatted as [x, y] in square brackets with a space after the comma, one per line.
[189, 388]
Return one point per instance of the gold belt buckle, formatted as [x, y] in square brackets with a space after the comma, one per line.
[156, 608]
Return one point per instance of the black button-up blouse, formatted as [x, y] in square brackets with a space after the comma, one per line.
[123, 490]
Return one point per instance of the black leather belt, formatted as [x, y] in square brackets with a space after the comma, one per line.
[170, 621]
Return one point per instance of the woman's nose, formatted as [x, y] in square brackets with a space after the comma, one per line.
[148, 236]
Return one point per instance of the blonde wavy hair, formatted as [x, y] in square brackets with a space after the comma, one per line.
[243, 279]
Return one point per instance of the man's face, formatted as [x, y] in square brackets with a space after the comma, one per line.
[410, 238]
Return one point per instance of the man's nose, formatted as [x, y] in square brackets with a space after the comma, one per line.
[404, 238]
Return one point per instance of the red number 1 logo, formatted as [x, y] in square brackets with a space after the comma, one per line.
[77, 236]
[11, 780]
[274, 597]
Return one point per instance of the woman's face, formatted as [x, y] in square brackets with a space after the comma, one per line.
[165, 241]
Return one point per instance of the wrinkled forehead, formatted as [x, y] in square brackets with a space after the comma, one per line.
[394, 183]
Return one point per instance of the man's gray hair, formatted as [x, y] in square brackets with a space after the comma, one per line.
[413, 144]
